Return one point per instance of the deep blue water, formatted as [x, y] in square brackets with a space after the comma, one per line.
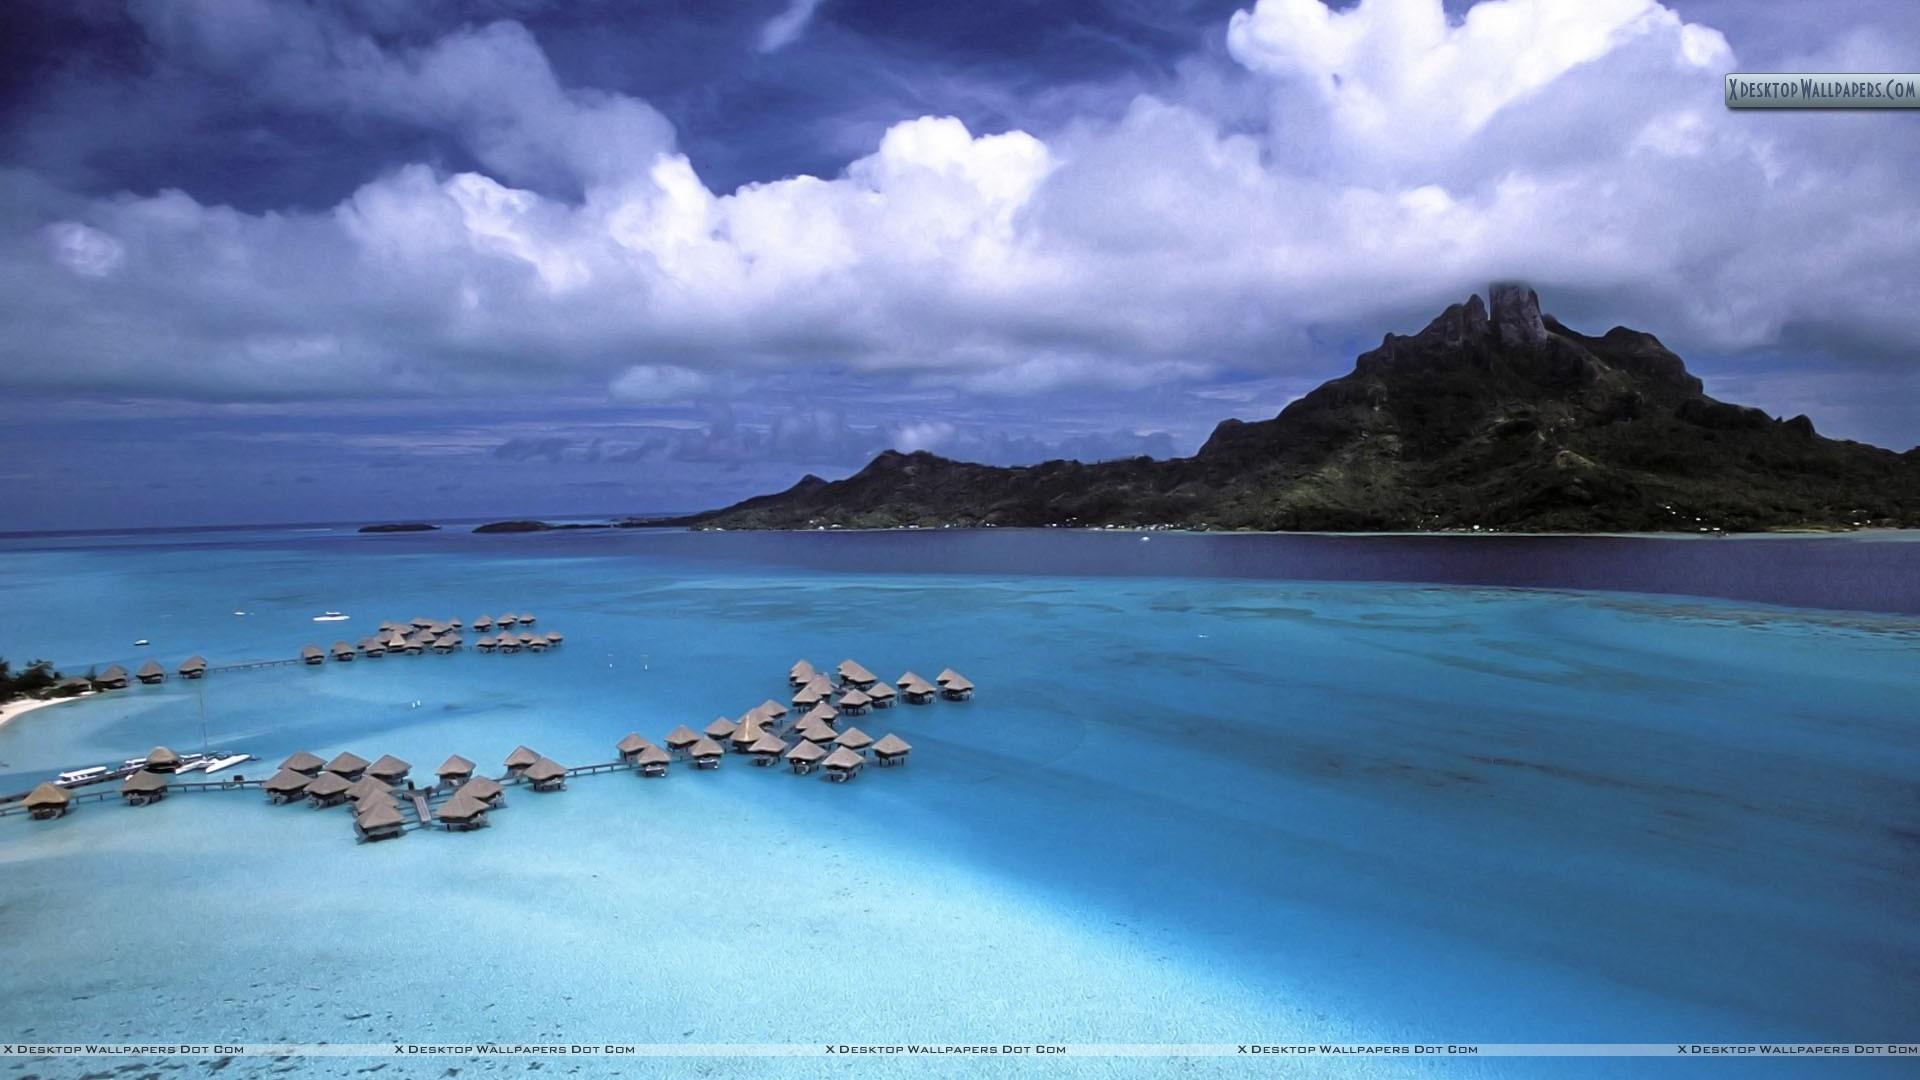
[1213, 789]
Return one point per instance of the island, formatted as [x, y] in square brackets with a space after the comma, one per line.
[1493, 417]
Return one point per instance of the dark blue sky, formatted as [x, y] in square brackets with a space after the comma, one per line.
[267, 260]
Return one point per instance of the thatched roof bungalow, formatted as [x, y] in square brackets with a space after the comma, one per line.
[301, 761]
[769, 711]
[454, 770]
[915, 690]
[286, 785]
[805, 756]
[817, 733]
[681, 738]
[526, 618]
[379, 819]
[706, 754]
[485, 644]
[956, 688]
[767, 749]
[348, 764]
[46, 802]
[521, 760]
[342, 651]
[880, 695]
[721, 729]
[652, 761]
[328, 789]
[151, 672]
[747, 733]
[486, 789]
[369, 787]
[822, 713]
[843, 765]
[371, 648]
[484, 622]
[114, 678]
[891, 750]
[853, 702]
[194, 667]
[800, 674]
[462, 812]
[547, 775]
[554, 638]
[853, 739]
[143, 787]
[389, 769]
[162, 760]
[630, 746]
[853, 673]
[311, 654]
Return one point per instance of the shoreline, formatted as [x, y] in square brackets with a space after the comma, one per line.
[13, 710]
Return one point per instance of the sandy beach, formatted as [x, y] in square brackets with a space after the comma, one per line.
[22, 706]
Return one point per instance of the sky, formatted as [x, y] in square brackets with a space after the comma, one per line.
[340, 260]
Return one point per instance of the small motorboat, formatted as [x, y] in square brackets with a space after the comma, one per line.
[226, 761]
[332, 616]
[139, 643]
[77, 777]
[192, 762]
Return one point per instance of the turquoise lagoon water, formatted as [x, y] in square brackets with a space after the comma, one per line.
[1192, 805]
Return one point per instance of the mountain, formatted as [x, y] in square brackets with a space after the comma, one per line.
[1501, 419]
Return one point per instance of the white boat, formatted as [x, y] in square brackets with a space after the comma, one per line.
[134, 763]
[332, 616]
[80, 776]
[139, 643]
[224, 762]
[191, 762]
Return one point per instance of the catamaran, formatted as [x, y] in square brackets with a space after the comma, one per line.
[224, 761]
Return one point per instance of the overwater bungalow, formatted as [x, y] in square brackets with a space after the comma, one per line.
[915, 690]
[146, 786]
[462, 812]
[369, 787]
[533, 643]
[721, 729]
[546, 775]
[151, 673]
[554, 638]
[818, 733]
[347, 764]
[453, 624]
[506, 643]
[843, 765]
[891, 750]
[706, 754]
[956, 688]
[419, 642]
[46, 802]
[853, 739]
[420, 622]
[808, 696]
[486, 789]
[521, 760]
[389, 769]
[805, 756]
[630, 747]
[311, 654]
[505, 622]
[342, 652]
[162, 760]
[455, 770]
[388, 626]
[800, 674]
[822, 713]
[114, 678]
[880, 695]
[853, 673]
[854, 702]
[195, 667]
[771, 711]
[747, 734]
[766, 750]
[945, 674]
[371, 648]
[302, 762]
[484, 622]
[286, 785]
[485, 644]
[682, 738]
[396, 642]
[652, 761]
[446, 643]
[379, 819]
[328, 789]
[526, 618]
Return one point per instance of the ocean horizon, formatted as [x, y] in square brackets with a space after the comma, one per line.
[1212, 789]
